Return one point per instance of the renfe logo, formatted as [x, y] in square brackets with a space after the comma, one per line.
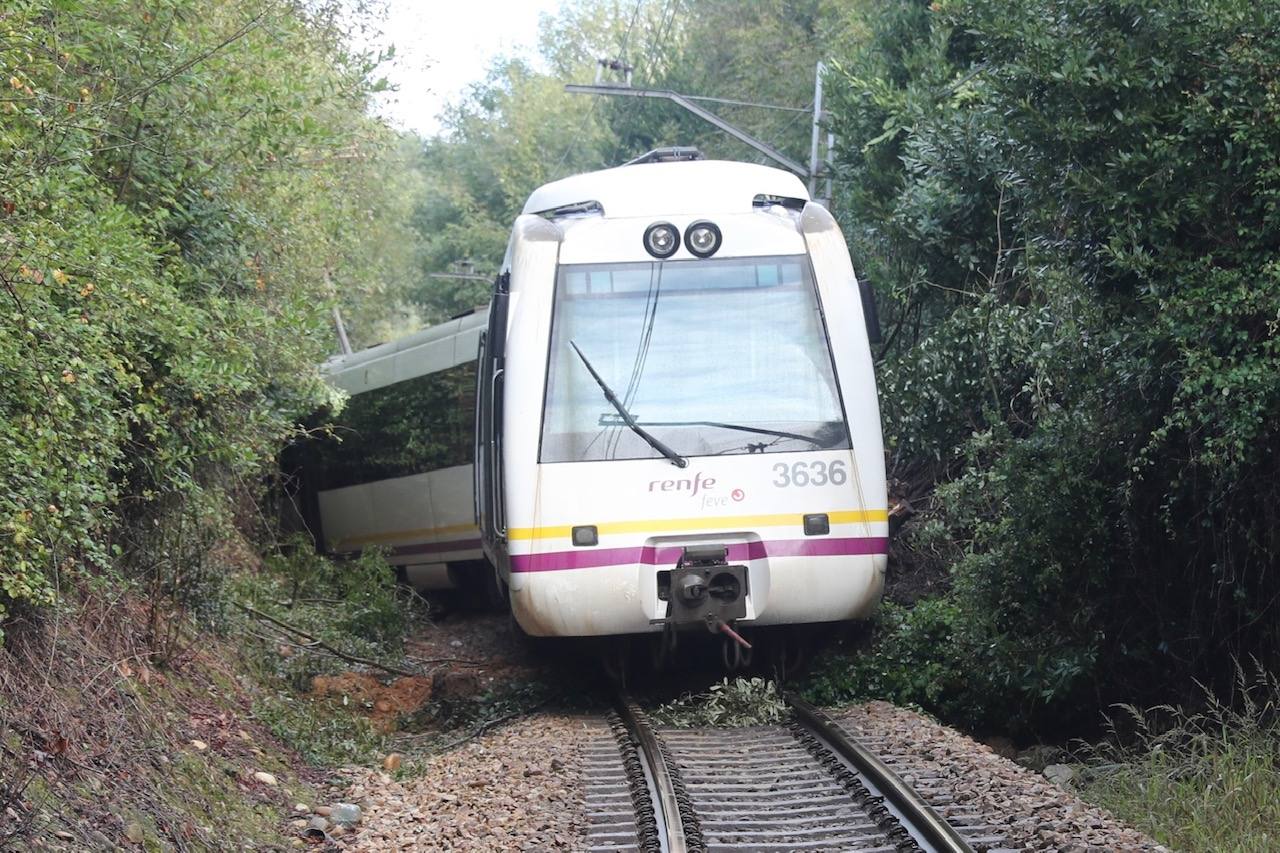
[690, 486]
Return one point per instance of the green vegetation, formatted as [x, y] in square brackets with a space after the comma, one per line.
[903, 665]
[241, 822]
[184, 189]
[1206, 781]
[355, 607]
[1070, 211]
[304, 616]
[324, 732]
[730, 704]
[444, 719]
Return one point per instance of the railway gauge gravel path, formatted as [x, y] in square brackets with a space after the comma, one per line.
[804, 786]
[574, 781]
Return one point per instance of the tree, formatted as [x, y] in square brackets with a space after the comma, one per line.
[518, 129]
[1071, 210]
[184, 190]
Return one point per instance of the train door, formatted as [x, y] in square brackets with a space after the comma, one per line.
[489, 499]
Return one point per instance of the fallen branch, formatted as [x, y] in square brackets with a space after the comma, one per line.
[279, 623]
[462, 661]
[314, 649]
[489, 724]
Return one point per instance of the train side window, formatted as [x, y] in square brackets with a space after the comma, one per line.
[421, 424]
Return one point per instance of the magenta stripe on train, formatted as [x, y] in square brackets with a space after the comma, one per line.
[667, 556]
[438, 547]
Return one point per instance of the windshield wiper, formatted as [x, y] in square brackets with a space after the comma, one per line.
[676, 459]
[739, 427]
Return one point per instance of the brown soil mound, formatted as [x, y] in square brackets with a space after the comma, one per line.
[384, 704]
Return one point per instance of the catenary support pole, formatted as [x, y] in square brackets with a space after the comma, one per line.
[814, 164]
[343, 340]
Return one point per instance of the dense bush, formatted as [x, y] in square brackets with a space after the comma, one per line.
[305, 615]
[356, 599]
[1071, 208]
[183, 188]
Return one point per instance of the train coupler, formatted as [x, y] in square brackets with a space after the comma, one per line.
[704, 588]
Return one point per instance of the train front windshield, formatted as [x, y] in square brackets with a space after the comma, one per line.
[710, 357]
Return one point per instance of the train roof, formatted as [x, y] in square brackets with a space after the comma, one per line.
[432, 349]
[694, 187]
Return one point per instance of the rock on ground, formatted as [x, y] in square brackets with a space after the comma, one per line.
[517, 788]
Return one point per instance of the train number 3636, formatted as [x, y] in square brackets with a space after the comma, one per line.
[810, 474]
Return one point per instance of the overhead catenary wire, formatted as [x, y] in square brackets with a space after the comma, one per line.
[666, 24]
[665, 27]
[626, 37]
[622, 55]
[666, 20]
[737, 103]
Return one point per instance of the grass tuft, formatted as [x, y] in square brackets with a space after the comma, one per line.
[323, 732]
[1204, 781]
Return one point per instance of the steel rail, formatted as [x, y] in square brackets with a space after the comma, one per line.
[939, 834]
[672, 827]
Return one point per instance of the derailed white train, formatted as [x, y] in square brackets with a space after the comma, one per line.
[676, 420]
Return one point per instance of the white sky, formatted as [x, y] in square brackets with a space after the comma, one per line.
[444, 45]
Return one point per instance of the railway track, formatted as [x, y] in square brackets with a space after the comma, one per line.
[806, 785]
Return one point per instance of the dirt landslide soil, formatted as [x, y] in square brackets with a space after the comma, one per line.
[515, 786]
[463, 655]
[385, 702]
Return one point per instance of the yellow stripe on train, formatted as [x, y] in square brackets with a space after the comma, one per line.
[664, 524]
[398, 535]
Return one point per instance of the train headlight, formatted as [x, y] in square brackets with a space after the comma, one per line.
[702, 238]
[661, 239]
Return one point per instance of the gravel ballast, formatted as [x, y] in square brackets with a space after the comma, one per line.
[522, 787]
[516, 788]
[951, 770]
